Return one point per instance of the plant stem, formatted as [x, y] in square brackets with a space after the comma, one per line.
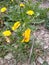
[31, 50]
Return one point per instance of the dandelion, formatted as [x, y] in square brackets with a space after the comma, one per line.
[30, 12]
[3, 9]
[26, 35]
[22, 5]
[12, 0]
[16, 25]
[7, 33]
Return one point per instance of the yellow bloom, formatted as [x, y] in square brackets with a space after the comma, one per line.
[26, 35]
[3, 9]
[7, 33]
[22, 5]
[11, 0]
[16, 25]
[30, 12]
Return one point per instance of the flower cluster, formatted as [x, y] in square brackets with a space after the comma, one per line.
[17, 24]
[18, 21]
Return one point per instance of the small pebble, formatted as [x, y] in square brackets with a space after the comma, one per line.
[47, 59]
[40, 60]
[8, 56]
[46, 46]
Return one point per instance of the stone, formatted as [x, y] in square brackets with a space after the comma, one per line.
[9, 62]
[40, 60]
[8, 56]
[45, 46]
[1, 61]
[47, 59]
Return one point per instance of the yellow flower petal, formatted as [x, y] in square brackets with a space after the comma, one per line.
[12, 0]
[3, 9]
[22, 41]
[30, 12]
[22, 5]
[7, 33]
[26, 35]
[16, 25]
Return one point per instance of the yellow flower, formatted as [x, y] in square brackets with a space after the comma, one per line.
[26, 35]
[22, 5]
[12, 0]
[30, 12]
[7, 33]
[16, 25]
[3, 9]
